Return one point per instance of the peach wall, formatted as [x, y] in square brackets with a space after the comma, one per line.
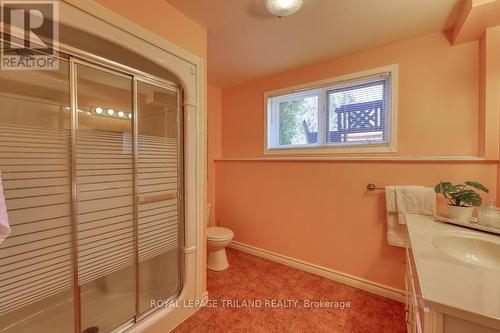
[214, 113]
[165, 20]
[438, 90]
[319, 211]
[490, 93]
[492, 81]
[482, 99]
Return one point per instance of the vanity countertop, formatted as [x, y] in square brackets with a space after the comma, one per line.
[451, 285]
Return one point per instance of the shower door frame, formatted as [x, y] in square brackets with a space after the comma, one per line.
[180, 186]
[190, 70]
[78, 57]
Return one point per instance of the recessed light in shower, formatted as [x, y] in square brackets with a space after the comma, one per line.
[110, 113]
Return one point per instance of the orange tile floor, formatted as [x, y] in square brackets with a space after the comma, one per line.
[282, 302]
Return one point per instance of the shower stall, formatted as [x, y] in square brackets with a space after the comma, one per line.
[92, 163]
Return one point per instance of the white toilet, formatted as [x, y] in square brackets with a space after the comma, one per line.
[217, 240]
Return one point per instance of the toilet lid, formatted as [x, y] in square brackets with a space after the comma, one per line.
[219, 233]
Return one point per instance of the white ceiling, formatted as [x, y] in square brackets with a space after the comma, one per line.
[245, 42]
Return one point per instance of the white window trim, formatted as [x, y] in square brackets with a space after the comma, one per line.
[390, 147]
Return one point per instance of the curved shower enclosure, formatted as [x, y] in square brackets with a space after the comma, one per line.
[92, 163]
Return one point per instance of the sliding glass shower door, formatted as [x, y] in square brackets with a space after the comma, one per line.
[36, 267]
[91, 161]
[105, 197]
[159, 166]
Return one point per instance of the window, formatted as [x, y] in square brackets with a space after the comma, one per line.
[354, 113]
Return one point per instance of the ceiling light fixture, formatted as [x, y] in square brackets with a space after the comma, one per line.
[284, 7]
[111, 112]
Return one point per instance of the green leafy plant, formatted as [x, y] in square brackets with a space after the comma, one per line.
[461, 195]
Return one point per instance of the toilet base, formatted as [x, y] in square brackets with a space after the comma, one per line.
[217, 260]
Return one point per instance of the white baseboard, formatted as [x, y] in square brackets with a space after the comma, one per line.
[360, 283]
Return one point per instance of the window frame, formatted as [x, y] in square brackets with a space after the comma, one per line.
[328, 85]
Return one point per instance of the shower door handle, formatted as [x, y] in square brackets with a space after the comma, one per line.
[143, 198]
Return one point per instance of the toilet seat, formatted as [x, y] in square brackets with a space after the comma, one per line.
[219, 233]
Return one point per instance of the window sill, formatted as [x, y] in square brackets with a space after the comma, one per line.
[329, 149]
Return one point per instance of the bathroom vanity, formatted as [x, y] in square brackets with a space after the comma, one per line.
[452, 278]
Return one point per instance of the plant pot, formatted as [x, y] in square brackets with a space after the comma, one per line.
[462, 214]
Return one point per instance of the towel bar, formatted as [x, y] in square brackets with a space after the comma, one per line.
[372, 187]
[142, 198]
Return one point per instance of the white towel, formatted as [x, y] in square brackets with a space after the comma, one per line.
[415, 200]
[401, 200]
[397, 234]
[4, 219]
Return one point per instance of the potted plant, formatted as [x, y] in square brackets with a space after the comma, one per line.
[462, 198]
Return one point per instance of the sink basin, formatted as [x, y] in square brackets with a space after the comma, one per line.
[481, 250]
